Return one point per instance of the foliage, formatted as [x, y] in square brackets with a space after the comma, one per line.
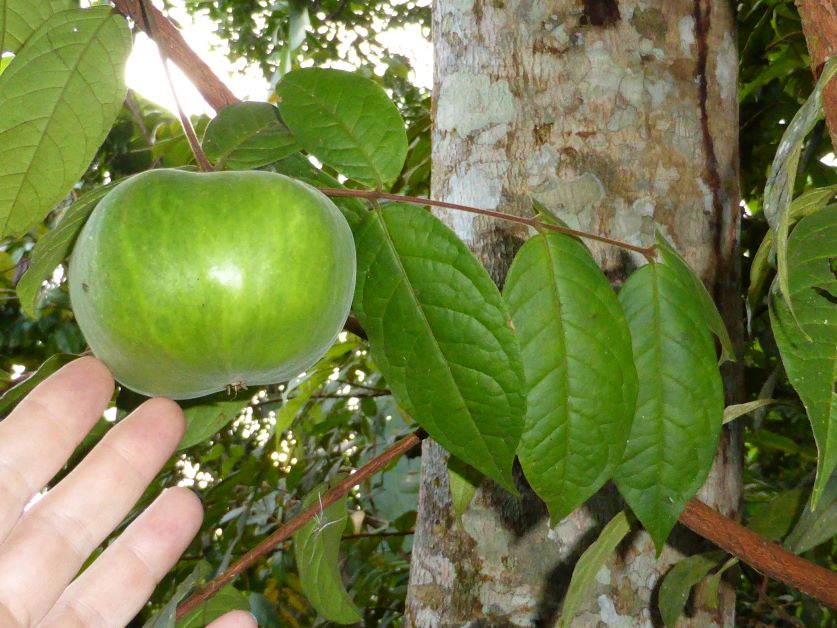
[445, 350]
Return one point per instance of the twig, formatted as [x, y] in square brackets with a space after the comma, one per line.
[188, 129]
[648, 252]
[286, 531]
[212, 88]
[819, 24]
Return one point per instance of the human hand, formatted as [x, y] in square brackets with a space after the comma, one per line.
[42, 549]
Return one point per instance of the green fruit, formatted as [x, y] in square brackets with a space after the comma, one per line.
[188, 283]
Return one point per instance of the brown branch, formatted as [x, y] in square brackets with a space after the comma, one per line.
[765, 557]
[212, 88]
[819, 24]
[531, 222]
[286, 531]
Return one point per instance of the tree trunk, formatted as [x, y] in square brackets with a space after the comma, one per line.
[622, 117]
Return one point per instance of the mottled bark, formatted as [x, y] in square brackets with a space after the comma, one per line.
[622, 116]
[819, 24]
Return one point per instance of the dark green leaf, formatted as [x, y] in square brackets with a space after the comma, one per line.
[302, 394]
[247, 135]
[589, 564]
[20, 18]
[13, 396]
[463, 480]
[815, 527]
[677, 583]
[773, 519]
[711, 316]
[346, 121]
[680, 405]
[317, 550]
[207, 418]
[56, 109]
[53, 247]
[580, 378]
[227, 599]
[808, 340]
[439, 331]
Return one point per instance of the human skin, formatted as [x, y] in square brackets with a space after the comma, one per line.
[43, 547]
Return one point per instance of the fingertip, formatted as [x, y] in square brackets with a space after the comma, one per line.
[169, 410]
[235, 619]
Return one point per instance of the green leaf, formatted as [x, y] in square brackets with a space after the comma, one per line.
[714, 581]
[710, 313]
[13, 396]
[317, 550]
[247, 135]
[58, 100]
[680, 405]
[227, 599]
[678, 582]
[780, 181]
[439, 331]
[804, 205]
[740, 409]
[773, 519]
[591, 561]
[165, 617]
[463, 480]
[53, 247]
[809, 348]
[208, 417]
[346, 121]
[815, 527]
[20, 18]
[4, 63]
[581, 384]
[286, 415]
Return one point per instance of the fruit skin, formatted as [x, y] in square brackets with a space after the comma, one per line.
[187, 283]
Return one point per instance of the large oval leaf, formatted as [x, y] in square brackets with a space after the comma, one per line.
[20, 18]
[247, 135]
[580, 378]
[809, 348]
[58, 100]
[317, 550]
[680, 405]
[346, 121]
[440, 333]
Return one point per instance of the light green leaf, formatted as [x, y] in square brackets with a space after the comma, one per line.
[740, 409]
[463, 480]
[317, 550]
[680, 405]
[4, 63]
[247, 135]
[581, 383]
[227, 599]
[710, 313]
[714, 581]
[591, 561]
[815, 527]
[773, 519]
[439, 331]
[808, 340]
[13, 396]
[20, 18]
[207, 418]
[346, 121]
[165, 617]
[286, 415]
[780, 181]
[804, 205]
[678, 582]
[58, 100]
[53, 247]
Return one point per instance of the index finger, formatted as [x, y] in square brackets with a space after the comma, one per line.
[41, 433]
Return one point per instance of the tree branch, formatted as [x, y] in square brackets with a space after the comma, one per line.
[212, 88]
[819, 24]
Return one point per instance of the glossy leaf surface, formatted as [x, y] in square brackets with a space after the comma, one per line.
[439, 331]
[581, 383]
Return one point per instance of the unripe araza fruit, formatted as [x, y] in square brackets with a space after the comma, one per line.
[187, 283]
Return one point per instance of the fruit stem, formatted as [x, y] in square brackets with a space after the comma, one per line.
[188, 129]
[647, 252]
